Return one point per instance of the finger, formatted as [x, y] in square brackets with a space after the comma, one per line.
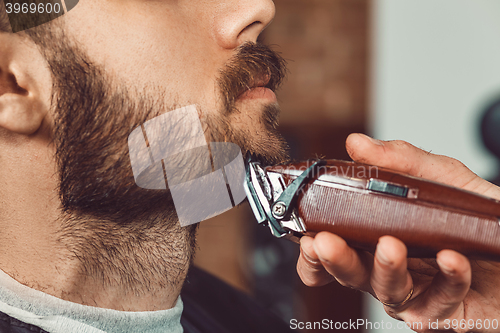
[349, 267]
[444, 297]
[406, 158]
[390, 278]
[309, 267]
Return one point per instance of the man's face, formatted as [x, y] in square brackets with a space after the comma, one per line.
[111, 76]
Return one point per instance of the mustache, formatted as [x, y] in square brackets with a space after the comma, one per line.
[254, 65]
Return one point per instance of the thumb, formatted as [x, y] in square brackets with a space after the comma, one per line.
[403, 157]
[396, 155]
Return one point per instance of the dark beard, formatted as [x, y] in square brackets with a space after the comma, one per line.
[115, 228]
[121, 234]
[269, 149]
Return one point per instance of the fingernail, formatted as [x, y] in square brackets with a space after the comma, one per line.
[445, 269]
[382, 257]
[374, 141]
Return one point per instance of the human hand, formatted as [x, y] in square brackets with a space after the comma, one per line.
[457, 293]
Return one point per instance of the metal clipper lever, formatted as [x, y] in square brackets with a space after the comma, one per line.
[272, 203]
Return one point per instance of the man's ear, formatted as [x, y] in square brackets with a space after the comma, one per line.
[25, 85]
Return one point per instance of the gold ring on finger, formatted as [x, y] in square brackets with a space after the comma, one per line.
[403, 302]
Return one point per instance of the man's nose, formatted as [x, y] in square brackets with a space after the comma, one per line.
[240, 21]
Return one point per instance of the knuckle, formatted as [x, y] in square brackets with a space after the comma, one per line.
[402, 145]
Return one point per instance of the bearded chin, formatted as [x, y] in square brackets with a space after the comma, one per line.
[92, 125]
[265, 142]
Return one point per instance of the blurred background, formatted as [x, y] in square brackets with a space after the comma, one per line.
[424, 71]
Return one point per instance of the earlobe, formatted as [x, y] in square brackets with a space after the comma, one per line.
[24, 85]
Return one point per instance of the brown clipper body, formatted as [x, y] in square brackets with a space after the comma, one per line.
[361, 203]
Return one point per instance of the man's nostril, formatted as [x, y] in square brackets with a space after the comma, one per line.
[250, 27]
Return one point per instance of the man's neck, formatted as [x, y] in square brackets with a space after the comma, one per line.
[99, 264]
[131, 267]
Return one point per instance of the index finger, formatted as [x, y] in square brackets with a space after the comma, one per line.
[350, 267]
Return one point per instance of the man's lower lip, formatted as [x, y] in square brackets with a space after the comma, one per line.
[259, 93]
